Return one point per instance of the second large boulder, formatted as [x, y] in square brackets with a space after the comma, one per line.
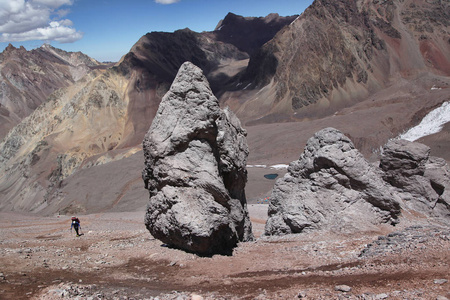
[332, 187]
[421, 180]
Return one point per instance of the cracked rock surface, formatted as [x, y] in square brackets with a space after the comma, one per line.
[195, 158]
[331, 186]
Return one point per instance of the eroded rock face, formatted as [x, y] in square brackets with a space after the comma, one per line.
[332, 187]
[422, 181]
[195, 158]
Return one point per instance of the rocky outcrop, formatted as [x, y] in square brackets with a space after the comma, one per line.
[422, 181]
[195, 158]
[332, 187]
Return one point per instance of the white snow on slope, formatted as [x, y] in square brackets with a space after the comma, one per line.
[431, 123]
[279, 166]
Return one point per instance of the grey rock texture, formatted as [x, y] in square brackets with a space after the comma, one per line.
[195, 159]
[331, 187]
[422, 181]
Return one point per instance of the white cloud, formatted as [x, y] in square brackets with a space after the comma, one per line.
[25, 20]
[166, 1]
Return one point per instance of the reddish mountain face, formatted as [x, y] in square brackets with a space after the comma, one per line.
[27, 78]
[338, 53]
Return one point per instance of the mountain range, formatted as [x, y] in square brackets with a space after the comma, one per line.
[72, 127]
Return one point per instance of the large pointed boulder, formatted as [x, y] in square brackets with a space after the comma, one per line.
[331, 187]
[195, 170]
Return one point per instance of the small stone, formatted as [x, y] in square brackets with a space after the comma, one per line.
[342, 288]
[440, 281]
[441, 298]
[381, 296]
[196, 297]
[301, 295]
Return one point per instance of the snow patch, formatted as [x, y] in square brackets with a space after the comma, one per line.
[256, 166]
[279, 166]
[430, 124]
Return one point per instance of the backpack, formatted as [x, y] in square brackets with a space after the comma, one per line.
[75, 221]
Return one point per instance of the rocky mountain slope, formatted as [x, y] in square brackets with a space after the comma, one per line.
[153, 62]
[76, 127]
[27, 78]
[338, 53]
[102, 119]
[371, 69]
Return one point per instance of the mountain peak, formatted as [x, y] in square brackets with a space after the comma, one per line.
[47, 46]
[10, 48]
[249, 33]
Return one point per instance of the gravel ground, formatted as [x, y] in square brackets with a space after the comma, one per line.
[117, 258]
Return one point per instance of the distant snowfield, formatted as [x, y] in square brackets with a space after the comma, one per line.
[432, 123]
[279, 166]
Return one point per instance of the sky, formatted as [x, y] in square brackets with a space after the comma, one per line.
[107, 29]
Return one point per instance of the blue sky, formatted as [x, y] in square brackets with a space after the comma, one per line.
[107, 29]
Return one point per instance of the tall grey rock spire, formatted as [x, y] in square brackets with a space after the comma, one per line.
[195, 159]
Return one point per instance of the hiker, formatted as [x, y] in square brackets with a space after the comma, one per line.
[76, 225]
